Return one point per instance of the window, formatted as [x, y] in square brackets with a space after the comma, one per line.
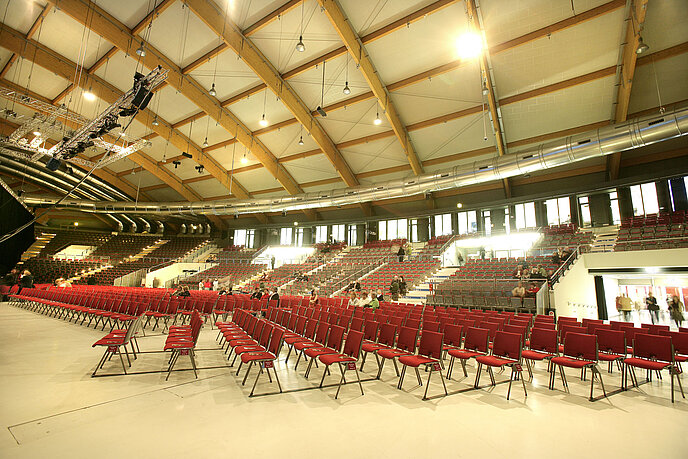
[585, 210]
[443, 225]
[393, 229]
[525, 215]
[614, 203]
[644, 198]
[320, 234]
[558, 211]
[507, 222]
[353, 235]
[285, 236]
[487, 221]
[414, 231]
[338, 233]
[244, 238]
[299, 237]
[468, 222]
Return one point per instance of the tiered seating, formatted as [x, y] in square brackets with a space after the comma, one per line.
[434, 247]
[177, 247]
[655, 231]
[561, 236]
[122, 246]
[500, 268]
[236, 253]
[65, 238]
[46, 270]
[413, 272]
[235, 272]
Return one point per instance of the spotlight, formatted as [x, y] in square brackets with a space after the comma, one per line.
[642, 47]
[89, 96]
[321, 111]
[284, 213]
[263, 122]
[236, 216]
[346, 89]
[296, 223]
[155, 121]
[300, 47]
[199, 168]
[301, 140]
[469, 45]
[176, 163]
[244, 160]
[459, 205]
[485, 90]
[377, 121]
[205, 142]
[186, 155]
[141, 51]
[212, 91]
[76, 223]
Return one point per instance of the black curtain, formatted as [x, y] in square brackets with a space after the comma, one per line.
[12, 216]
[601, 302]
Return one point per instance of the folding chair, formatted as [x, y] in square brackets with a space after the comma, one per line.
[475, 344]
[265, 360]
[346, 360]
[580, 352]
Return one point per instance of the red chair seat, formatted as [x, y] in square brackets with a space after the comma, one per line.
[318, 351]
[571, 363]
[109, 341]
[609, 357]
[392, 353]
[646, 364]
[329, 359]
[179, 345]
[492, 361]
[295, 339]
[463, 353]
[535, 355]
[254, 356]
[415, 360]
[248, 348]
[372, 347]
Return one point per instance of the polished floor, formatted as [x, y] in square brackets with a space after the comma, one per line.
[50, 406]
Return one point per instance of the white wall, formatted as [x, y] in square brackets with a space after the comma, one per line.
[574, 294]
[172, 271]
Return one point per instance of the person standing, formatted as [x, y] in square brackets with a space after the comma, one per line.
[274, 296]
[394, 288]
[623, 305]
[676, 310]
[402, 286]
[201, 284]
[652, 307]
[272, 261]
[216, 285]
[401, 254]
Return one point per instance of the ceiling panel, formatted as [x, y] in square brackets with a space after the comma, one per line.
[165, 195]
[208, 188]
[119, 71]
[20, 15]
[354, 121]
[670, 83]
[142, 179]
[665, 24]
[588, 47]
[72, 40]
[571, 107]
[171, 105]
[250, 110]
[36, 78]
[245, 14]
[129, 12]
[310, 169]
[230, 74]
[285, 141]
[366, 16]
[190, 37]
[425, 44]
[258, 179]
[203, 128]
[375, 155]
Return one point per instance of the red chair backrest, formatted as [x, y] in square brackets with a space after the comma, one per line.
[352, 346]
[276, 341]
[357, 323]
[612, 341]
[492, 328]
[653, 347]
[477, 339]
[680, 342]
[655, 329]
[321, 332]
[544, 339]
[387, 335]
[407, 339]
[452, 335]
[370, 330]
[265, 336]
[518, 329]
[311, 325]
[507, 345]
[335, 338]
[430, 344]
[413, 323]
[581, 346]
[431, 326]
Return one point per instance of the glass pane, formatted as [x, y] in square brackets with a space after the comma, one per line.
[649, 191]
[520, 216]
[564, 210]
[250, 239]
[240, 237]
[530, 214]
[463, 222]
[472, 222]
[488, 225]
[637, 200]
[402, 228]
[552, 212]
[382, 231]
[585, 214]
[392, 229]
[285, 236]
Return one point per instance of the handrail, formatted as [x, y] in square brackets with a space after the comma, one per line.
[554, 278]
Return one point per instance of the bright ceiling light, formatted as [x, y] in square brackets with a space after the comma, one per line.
[76, 223]
[155, 121]
[346, 89]
[459, 205]
[296, 223]
[141, 51]
[89, 96]
[37, 133]
[205, 142]
[244, 160]
[642, 47]
[263, 122]
[300, 47]
[212, 91]
[377, 121]
[469, 45]
[301, 140]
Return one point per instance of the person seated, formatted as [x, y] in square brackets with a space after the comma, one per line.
[556, 257]
[535, 273]
[178, 291]
[520, 272]
[532, 290]
[380, 296]
[519, 291]
[257, 294]
[353, 299]
[226, 290]
[313, 300]
[274, 296]
[185, 292]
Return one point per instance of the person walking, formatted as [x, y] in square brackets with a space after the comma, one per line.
[652, 307]
[402, 286]
[623, 305]
[401, 254]
[394, 288]
[676, 310]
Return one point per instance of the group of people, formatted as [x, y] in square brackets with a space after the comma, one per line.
[521, 292]
[523, 271]
[61, 282]
[271, 293]
[561, 255]
[397, 287]
[364, 299]
[675, 307]
[23, 279]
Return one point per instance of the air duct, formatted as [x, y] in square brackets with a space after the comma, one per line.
[118, 222]
[146, 225]
[160, 227]
[631, 134]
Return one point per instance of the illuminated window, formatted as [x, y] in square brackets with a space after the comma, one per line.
[487, 221]
[393, 229]
[585, 210]
[320, 234]
[525, 215]
[468, 222]
[644, 199]
[443, 225]
[614, 203]
[414, 231]
[558, 211]
[338, 233]
[285, 236]
[353, 235]
[244, 238]
[299, 237]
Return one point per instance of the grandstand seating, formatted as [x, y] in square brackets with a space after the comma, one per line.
[562, 236]
[655, 231]
[63, 239]
[46, 270]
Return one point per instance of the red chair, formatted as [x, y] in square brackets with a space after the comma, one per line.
[385, 340]
[652, 353]
[475, 344]
[406, 345]
[612, 346]
[429, 355]
[265, 360]
[543, 346]
[453, 337]
[182, 341]
[113, 342]
[333, 346]
[680, 342]
[346, 360]
[318, 341]
[506, 352]
[580, 352]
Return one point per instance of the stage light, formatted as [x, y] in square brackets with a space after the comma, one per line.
[642, 46]
[244, 159]
[89, 96]
[212, 91]
[205, 142]
[346, 89]
[377, 121]
[37, 133]
[155, 121]
[141, 51]
[459, 205]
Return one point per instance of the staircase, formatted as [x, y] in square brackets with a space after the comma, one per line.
[157, 244]
[36, 247]
[422, 290]
[605, 239]
[89, 272]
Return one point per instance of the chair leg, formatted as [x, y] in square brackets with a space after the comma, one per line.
[379, 369]
[323, 376]
[401, 378]
[420, 381]
[192, 356]
[477, 375]
[595, 369]
[358, 378]
[276, 378]
[247, 372]
[260, 364]
[530, 370]
[100, 362]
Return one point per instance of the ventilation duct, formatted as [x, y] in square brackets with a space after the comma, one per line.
[146, 225]
[118, 222]
[160, 227]
[631, 134]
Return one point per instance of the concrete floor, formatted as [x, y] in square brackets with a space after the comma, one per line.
[50, 406]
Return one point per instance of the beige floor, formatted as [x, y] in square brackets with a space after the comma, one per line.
[51, 407]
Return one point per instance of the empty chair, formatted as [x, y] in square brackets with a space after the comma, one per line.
[611, 345]
[580, 352]
[543, 346]
[506, 352]
[653, 353]
[265, 360]
[429, 355]
[346, 360]
[406, 345]
[475, 344]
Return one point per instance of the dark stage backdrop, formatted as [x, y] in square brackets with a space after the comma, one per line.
[12, 216]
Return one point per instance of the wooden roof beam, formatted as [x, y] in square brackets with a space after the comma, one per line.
[351, 40]
[32, 30]
[634, 24]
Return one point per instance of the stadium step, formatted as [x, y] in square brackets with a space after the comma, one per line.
[36, 247]
[605, 241]
[418, 294]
